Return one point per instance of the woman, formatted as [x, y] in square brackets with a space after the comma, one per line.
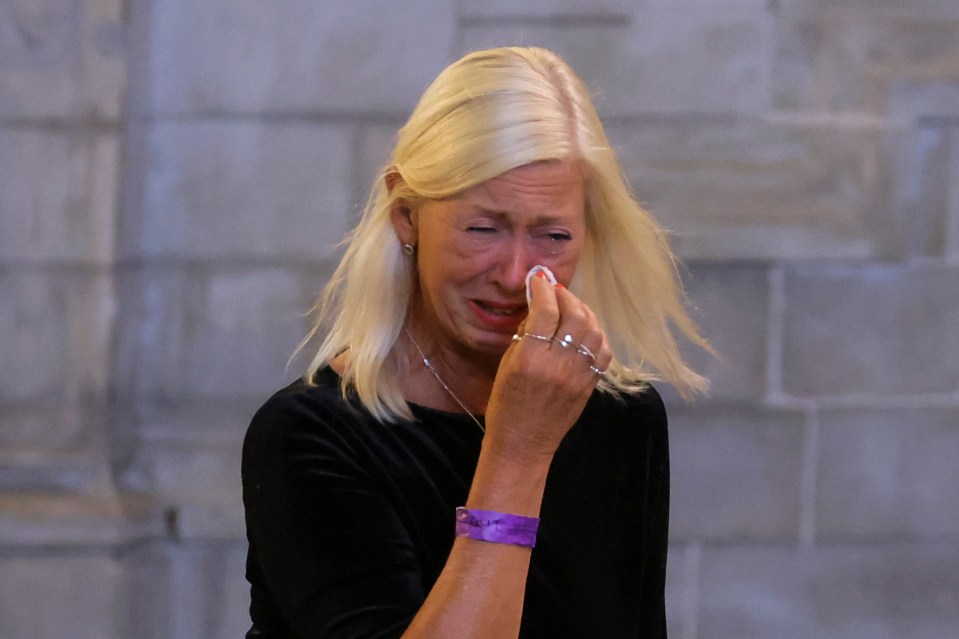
[437, 386]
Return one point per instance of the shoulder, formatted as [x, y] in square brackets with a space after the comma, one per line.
[643, 408]
[303, 417]
[292, 406]
[622, 425]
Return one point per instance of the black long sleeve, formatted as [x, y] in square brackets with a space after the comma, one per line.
[350, 521]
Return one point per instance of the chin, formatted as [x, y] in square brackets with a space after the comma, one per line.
[492, 343]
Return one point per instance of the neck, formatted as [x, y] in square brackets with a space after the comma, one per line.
[468, 380]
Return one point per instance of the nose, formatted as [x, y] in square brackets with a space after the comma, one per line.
[517, 259]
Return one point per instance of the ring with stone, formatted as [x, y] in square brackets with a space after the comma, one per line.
[541, 338]
[566, 341]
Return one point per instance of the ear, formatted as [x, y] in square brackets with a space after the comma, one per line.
[402, 216]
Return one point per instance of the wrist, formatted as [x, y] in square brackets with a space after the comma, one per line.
[496, 527]
[507, 483]
[513, 450]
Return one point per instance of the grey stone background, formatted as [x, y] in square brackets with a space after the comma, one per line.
[173, 175]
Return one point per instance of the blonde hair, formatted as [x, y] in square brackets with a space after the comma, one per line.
[487, 113]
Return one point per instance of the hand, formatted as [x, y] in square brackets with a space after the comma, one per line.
[542, 386]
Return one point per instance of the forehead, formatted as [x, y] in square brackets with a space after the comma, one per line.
[550, 187]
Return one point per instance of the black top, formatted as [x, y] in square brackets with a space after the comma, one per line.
[350, 520]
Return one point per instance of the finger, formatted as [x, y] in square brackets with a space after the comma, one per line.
[591, 345]
[573, 319]
[594, 338]
[543, 316]
[519, 332]
[576, 323]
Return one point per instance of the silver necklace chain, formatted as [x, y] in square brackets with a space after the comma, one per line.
[429, 367]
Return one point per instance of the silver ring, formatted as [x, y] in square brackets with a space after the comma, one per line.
[597, 371]
[566, 341]
[541, 338]
[583, 349]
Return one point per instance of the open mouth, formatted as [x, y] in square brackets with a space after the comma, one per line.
[502, 311]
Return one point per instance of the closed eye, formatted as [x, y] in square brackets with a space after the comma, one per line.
[553, 236]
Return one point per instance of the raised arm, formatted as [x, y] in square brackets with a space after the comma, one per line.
[540, 391]
[339, 560]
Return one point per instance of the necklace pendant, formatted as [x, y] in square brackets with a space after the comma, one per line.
[435, 373]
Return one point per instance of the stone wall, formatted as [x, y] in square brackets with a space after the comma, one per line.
[173, 176]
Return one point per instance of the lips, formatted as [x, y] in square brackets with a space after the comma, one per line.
[498, 315]
[500, 309]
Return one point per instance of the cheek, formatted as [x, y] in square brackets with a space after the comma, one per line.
[564, 264]
[466, 259]
[563, 271]
[445, 270]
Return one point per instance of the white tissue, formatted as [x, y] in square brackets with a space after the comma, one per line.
[539, 268]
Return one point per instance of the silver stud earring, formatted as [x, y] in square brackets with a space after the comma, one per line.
[408, 249]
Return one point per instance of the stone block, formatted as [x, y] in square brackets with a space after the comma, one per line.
[872, 330]
[211, 595]
[795, 77]
[55, 336]
[146, 428]
[924, 187]
[59, 596]
[848, 59]
[263, 311]
[57, 195]
[583, 9]
[736, 473]
[923, 97]
[46, 519]
[643, 65]
[700, 5]
[62, 60]
[755, 188]
[951, 231]
[56, 431]
[242, 189]
[198, 483]
[26, 470]
[183, 590]
[867, 8]
[682, 577]
[145, 596]
[375, 144]
[201, 420]
[211, 332]
[55, 448]
[888, 473]
[298, 56]
[55, 426]
[731, 305]
[835, 592]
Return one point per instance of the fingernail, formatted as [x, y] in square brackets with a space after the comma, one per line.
[541, 275]
[560, 285]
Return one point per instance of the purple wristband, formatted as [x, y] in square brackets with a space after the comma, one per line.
[499, 528]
